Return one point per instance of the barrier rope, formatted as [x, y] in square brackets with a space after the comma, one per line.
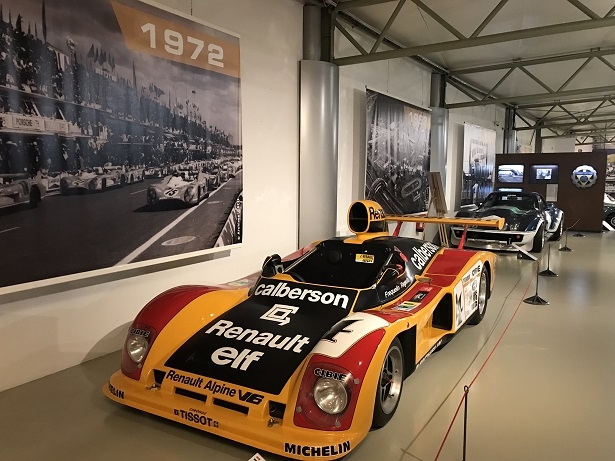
[483, 366]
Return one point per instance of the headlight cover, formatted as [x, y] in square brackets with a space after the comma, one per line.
[136, 347]
[330, 395]
[514, 226]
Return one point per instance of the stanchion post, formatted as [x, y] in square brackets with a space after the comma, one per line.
[548, 272]
[536, 300]
[565, 247]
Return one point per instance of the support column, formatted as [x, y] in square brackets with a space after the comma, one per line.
[439, 125]
[510, 134]
[318, 117]
[439, 140]
[538, 141]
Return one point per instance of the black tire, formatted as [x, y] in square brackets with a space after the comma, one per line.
[483, 298]
[122, 181]
[64, 187]
[390, 384]
[188, 196]
[35, 197]
[610, 219]
[539, 240]
[152, 197]
[103, 184]
[559, 232]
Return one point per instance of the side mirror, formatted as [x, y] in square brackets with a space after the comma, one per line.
[272, 266]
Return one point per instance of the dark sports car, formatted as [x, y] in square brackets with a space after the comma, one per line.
[529, 222]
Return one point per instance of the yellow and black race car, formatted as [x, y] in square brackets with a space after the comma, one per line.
[304, 358]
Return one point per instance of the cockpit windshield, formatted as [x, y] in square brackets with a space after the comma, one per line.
[521, 201]
[336, 263]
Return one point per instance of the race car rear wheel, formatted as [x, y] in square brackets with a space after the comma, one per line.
[611, 220]
[64, 187]
[390, 383]
[483, 296]
[539, 239]
[35, 197]
[560, 230]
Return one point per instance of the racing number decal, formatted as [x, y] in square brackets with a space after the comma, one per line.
[170, 192]
[348, 332]
[338, 328]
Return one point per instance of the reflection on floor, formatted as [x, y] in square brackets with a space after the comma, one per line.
[545, 394]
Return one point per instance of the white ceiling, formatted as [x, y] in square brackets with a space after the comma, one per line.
[451, 23]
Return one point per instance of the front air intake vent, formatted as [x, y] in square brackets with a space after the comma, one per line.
[158, 377]
[231, 406]
[190, 394]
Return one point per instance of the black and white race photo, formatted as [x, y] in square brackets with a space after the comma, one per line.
[120, 137]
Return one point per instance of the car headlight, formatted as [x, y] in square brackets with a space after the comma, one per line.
[330, 395]
[514, 226]
[136, 347]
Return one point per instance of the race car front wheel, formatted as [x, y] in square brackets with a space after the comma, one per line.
[539, 239]
[390, 383]
[483, 296]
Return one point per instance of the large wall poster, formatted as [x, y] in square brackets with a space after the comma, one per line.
[398, 150]
[478, 164]
[120, 137]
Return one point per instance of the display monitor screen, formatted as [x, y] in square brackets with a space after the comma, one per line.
[544, 174]
[510, 173]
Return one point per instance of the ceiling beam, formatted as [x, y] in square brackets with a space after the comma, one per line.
[341, 6]
[501, 37]
[566, 126]
[557, 96]
[567, 102]
[438, 19]
[489, 18]
[534, 61]
[583, 8]
[387, 26]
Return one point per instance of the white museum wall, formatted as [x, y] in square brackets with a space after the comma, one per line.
[49, 329]
[552, 145]
[402, 79]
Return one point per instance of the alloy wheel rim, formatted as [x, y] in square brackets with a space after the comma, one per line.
[390, 380]
[482, 293]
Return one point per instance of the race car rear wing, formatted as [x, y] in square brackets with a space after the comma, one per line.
[497, 223]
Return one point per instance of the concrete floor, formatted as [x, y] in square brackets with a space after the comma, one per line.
[545, 394]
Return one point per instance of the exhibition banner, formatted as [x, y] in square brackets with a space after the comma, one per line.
[398, 150]
[120, 138]
[478, 164]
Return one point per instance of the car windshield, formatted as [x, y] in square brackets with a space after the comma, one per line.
[521, 201]
[336, 263]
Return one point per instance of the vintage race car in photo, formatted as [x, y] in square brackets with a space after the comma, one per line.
[304, 358]
[16, 189]
[529, 222]
[134, 174]
[179, 188]
[155, 171]
[93, 179]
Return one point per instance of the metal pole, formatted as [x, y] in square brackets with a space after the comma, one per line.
[466, 391]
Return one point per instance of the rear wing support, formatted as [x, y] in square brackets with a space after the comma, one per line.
[495, 223]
